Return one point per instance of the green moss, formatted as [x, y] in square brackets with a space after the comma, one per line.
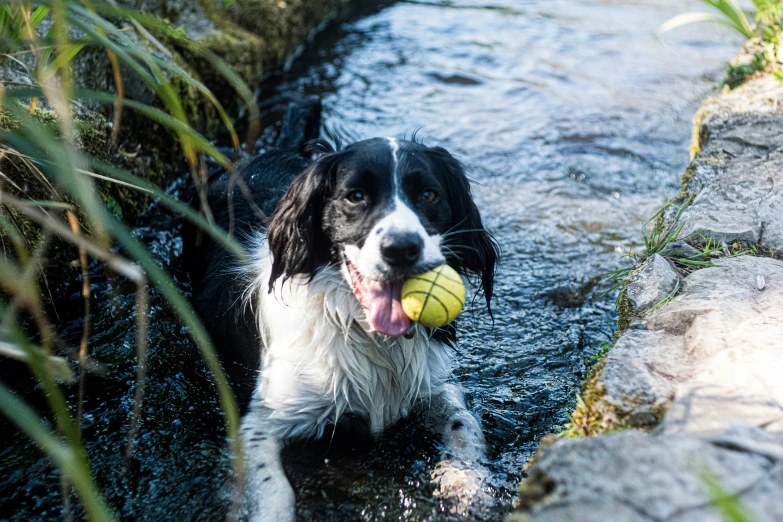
[241, 50]
[626, 314]
[686, 178]
[531, 492]
[738, 74]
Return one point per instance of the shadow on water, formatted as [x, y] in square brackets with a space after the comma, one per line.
[574, 122]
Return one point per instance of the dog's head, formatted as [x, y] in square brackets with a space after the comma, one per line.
[385, 209]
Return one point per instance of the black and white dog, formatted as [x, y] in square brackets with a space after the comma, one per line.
[318, 308]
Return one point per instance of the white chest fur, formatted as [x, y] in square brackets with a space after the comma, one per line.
[321, 360]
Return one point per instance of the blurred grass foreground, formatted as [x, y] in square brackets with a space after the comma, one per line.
[99, 105]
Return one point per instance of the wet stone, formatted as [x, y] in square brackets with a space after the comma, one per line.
[738, 176]
[656, 281]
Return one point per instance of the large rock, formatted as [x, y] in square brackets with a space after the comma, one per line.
[640, 376]
[731, 321]
[638, 477]
[712, 356]
[252, 36]
[737, 178]
[740, 199]
[656, 281]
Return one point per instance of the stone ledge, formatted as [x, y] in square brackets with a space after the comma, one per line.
[639, 477]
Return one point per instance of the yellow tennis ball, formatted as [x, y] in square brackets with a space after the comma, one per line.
[434, 298]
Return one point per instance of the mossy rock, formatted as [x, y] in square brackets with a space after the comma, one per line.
[93, 137]
[252, 36]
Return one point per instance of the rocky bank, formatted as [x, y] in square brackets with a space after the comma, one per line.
[686, 410]
[253, 37]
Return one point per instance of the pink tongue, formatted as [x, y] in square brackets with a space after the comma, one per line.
[382, 301]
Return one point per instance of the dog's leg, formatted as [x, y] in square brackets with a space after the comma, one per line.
[459, 475]
[458, 429]
[268, 495]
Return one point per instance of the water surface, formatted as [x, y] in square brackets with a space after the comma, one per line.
[574, 122]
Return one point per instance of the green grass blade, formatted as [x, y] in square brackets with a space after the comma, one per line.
[38, 15]
[59, 365]
[50, 204]
[705, 264]
[734, 14]
[215, 232]
[184, 310]
[730, 506]
[690, 18]
[687, 19]
[179, 126]
[63, 59]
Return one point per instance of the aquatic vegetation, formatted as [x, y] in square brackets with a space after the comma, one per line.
[765, 34]
[50, 200]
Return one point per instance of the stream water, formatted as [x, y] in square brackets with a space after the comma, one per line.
[575, 123]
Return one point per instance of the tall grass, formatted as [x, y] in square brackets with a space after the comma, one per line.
[729, 14]
[766, 30]
[73, 212]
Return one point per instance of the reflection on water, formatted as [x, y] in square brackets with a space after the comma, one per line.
[574, 122]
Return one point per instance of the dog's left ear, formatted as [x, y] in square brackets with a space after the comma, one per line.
[477, 252]
[295, 233]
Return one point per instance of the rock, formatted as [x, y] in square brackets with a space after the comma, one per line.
[738, 175]
[681, 249]
[654, 282]
[734, 333]
[640, 375]
[741, 199]
[710, 357]
[711, 354]
[634, 476]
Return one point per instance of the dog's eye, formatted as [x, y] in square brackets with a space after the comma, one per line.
[355, 196]
[429, 195]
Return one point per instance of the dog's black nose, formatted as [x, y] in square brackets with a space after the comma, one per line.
[402, 249]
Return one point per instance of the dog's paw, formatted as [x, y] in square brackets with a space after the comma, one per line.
[270, 500]
[462, 486]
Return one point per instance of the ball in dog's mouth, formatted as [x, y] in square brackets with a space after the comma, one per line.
[382, 302]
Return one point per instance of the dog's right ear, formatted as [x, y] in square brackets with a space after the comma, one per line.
[295, 233]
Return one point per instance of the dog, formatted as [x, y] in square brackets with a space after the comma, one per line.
[317, 309]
